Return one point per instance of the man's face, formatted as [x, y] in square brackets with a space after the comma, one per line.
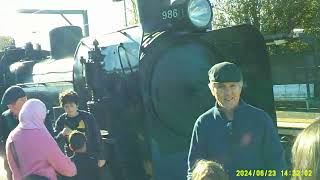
[16, 106]
[71, 109]
[227, 94]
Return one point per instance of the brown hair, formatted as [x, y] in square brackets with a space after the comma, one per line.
[208, 170]
[68, 97]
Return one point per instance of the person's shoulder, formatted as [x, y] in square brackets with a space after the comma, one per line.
[62, 117]
[11, 137]
[84, 113]
[206, 116]
[208, 113]
[253, 109]
[83, 159]
[6, 113]
[257, 113]
[13, 134]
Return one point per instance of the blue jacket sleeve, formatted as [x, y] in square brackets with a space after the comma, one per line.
[2, 136]
[48, 124]
[197, 147]
[273, 151]
[58, 127]
[96, 137]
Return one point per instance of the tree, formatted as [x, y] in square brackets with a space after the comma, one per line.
[271, 17]
[133, 12]
[5, 41]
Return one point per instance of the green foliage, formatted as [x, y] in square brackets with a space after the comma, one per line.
[271, 17]
[133, 11]
[5, 41]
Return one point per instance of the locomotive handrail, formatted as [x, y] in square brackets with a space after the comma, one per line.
[120, 60]
[51, 72]
[128, 36]
[40, 83]
[128, 61]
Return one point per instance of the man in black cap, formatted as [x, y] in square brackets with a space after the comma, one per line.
[233, 133]
[14, 97]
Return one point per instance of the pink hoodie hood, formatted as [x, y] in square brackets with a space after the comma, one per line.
[32, 115]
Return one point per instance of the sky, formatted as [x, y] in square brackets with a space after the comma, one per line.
[104, 16]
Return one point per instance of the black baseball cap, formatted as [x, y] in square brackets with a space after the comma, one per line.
[225, 72]
[12, 94]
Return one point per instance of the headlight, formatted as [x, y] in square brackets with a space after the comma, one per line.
[200, 13]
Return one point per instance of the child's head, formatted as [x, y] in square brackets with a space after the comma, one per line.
[77, 141]
[306, 150]
[208, 170]
[69, 100]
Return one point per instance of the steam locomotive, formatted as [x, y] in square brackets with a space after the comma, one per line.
[147, 84]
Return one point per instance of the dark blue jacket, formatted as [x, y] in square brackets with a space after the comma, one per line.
[87, 167]
[248, 142]
[86, 123]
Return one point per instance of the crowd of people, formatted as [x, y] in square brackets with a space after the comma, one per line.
[230, 137]
[31, 152]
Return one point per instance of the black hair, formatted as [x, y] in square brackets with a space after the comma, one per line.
[68, 97]
[77, 140]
